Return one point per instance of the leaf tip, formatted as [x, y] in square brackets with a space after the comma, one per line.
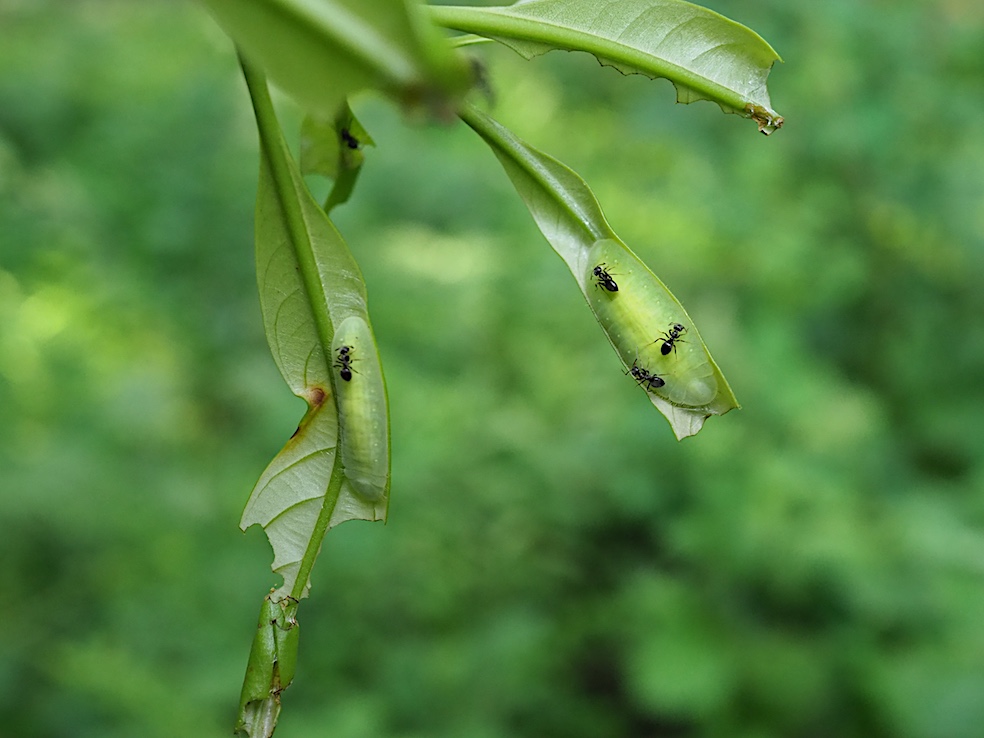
[768, 120]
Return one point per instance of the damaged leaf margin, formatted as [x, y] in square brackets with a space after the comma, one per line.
[705, 55]
[309, 284]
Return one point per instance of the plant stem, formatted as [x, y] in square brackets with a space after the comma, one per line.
[505, 144]
[321, 526]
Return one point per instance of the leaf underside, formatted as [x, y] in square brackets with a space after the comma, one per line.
[570, 218]
[705, 55]
[308, 283]
[322, 52]
[333, 147]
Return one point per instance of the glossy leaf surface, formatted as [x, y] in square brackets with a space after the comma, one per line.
[705, 55]
[634, 315]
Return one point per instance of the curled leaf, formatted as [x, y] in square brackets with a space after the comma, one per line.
[272, 661]
[650, 330]
[362, 410]
[309, 286]
[631, 304]
[333, 148]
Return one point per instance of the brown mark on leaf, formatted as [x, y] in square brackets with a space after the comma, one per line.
[767, 120]
[315, 396]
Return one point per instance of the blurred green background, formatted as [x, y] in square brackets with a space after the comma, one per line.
[555, 564]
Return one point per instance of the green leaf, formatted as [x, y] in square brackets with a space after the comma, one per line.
[636, 309]
[321, 51]
[270, 670]
[705, 55]
[309, 285]
[332, 147]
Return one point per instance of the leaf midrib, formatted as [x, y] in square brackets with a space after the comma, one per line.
[499, 24]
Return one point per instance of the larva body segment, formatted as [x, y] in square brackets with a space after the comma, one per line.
[362, 410]
[636, 319]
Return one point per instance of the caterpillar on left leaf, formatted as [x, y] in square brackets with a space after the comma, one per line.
[363, 415]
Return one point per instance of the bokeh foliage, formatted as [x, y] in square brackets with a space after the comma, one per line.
[555, 564]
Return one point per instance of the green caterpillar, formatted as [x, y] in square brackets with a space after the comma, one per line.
[641, 318]
[362, 410]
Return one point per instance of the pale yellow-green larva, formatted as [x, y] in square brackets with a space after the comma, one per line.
[362, 411]
[640, 317]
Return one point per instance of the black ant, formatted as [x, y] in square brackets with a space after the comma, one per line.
[671, 338]
[344, 362]
[348, 139]
[604, 277]
[644, 377]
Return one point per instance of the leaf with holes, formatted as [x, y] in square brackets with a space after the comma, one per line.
[309, 286]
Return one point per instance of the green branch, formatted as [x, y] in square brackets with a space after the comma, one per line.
[504, 143]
